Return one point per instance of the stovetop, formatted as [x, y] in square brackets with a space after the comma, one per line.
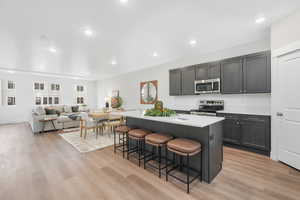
[210, 106]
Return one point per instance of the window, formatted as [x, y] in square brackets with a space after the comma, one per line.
[55, 87]
[39, 86]
[38, 100]
[80, 88]
[50, 100]
[56, 100]
[11, 100]
[11, 85]
[80, 100]
[45, 100]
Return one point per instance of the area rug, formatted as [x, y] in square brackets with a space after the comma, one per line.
[90, 143]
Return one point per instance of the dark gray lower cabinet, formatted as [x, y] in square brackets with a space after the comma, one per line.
[249, 132]
[231, 131]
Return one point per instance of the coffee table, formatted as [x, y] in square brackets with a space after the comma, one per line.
[48, 120]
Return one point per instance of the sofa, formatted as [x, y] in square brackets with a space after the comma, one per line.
[64, 116]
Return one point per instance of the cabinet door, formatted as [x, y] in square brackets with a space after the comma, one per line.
[214, 70]
[257, 73]
[188, 81]
[175, 82]
[202, 71]
[232, 131]
[232, 76]
[255, 133]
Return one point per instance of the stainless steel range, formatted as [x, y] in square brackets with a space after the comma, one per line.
[209, 107]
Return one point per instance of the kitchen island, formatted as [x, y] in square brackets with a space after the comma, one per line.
[205, 129]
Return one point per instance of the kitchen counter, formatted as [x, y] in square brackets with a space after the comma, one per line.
[246, 111]
[181, 119]
[206, 130]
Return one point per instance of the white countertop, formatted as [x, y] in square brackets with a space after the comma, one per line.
[182, 119]
[247, 111]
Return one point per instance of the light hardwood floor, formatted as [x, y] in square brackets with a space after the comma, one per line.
[45, 167]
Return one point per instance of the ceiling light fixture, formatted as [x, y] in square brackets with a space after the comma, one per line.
[88, 32]
[155, 54]
[113, 62]
[52, 49]
[193, 42]
[124, 1]
[260, 20]
[11, 72]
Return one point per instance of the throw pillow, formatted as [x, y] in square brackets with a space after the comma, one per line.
[75, 108]
[50, 111]
[67, 109]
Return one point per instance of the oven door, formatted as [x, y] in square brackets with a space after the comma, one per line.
[203, 87]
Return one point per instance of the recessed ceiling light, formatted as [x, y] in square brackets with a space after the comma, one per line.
[52, 49]
[260, 20]
[11, 72]
[154, 54]
[88, 32]
[123, 1]
[113, 62]
[193, 42]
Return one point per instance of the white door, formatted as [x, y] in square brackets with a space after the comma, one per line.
[289, 109]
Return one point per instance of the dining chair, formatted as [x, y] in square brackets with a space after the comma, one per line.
[88, 123]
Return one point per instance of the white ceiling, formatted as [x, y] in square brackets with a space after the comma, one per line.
[127, 33]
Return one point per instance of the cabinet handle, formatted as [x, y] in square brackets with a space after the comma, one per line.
[279, 114]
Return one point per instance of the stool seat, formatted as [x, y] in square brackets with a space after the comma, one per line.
[158, 138]
[184, 146]
[123, 129]
[138, 133]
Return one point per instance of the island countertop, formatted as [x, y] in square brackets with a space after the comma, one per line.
[182, 119]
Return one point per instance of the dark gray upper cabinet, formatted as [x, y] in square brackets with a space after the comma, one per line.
[244, 74]
[208, 71]
[232, 76]
[214, 70]
[175, 82]
[188, 80]
[202, 71]
[257, 73]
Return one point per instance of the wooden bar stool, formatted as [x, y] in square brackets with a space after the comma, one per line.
[122, 131]
[157, 141]
[184, 148]
[137, 135]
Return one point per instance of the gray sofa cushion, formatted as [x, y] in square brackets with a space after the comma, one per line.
[39, 110]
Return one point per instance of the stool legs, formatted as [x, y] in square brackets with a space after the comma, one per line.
[123, 142]
[180, 165]
[159, 161]
[188, 173]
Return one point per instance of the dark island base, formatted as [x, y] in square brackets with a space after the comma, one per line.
[210, 138]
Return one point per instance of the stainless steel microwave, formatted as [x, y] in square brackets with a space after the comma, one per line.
[207, 86]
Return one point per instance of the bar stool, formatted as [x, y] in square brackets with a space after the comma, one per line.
[157, 141]
[122, 131]
[137, 135]
[184, 148]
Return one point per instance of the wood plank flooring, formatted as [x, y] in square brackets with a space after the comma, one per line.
[45, 167]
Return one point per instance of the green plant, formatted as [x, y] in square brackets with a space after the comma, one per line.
[160, 113]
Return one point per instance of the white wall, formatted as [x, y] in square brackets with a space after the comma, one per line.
[129, 83]
[25, 95]
[285, 35]
[285, 31]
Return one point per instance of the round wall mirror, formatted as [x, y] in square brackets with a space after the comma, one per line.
[148, 92]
